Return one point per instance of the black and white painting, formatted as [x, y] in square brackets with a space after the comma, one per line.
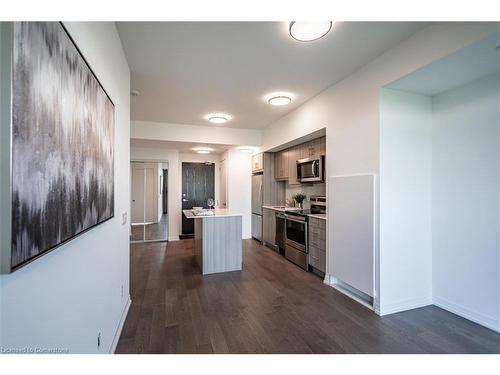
[62, 142]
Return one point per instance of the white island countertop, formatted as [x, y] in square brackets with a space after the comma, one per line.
[218, 212]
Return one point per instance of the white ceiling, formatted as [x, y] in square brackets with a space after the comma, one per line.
[466, 65]
[185, 70]
[182, 147]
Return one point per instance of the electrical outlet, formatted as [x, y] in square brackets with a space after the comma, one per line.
[98, 340]
[124, 218]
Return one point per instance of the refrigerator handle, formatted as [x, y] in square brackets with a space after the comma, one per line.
[260, 194]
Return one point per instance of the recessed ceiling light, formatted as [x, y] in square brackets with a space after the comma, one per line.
[135, 92]
[203, 152]
[218, 118]
[279, 100]
[309, 31]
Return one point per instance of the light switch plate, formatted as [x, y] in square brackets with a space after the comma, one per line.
[124, 218]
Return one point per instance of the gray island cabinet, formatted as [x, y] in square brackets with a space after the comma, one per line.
[217, 241]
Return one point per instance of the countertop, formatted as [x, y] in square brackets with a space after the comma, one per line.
[218, 212]
[279, 209]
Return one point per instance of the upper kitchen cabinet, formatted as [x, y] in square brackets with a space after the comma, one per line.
[313, 149]
[258, 163]
[293, 155]
[281, 171]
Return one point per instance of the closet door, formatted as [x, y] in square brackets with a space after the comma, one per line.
[137, 202]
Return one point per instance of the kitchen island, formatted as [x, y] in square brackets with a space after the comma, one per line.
[217, 240]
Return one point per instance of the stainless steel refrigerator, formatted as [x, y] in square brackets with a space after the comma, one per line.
[257, 180]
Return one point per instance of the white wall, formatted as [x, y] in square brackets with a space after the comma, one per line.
[350, 109]
[239, 187]
[466, 201]
[405, 201]
[65, 298]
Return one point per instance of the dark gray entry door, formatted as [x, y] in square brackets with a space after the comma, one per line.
[198, 184]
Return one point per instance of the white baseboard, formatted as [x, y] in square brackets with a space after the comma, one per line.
[173, 238]
[120, 327]
[403, 305]
[464, 312]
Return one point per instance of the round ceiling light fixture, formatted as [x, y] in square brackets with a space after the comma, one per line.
[218, 118]
[279, 100]
[246, 149]
[309, 31]
[135, 92]
[203, 150]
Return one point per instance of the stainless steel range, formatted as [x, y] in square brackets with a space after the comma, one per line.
[296, 241]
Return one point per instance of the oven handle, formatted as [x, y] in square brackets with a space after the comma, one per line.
[295, 220]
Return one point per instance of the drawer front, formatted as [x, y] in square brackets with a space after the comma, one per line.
[318, 242]
[317, 258]
[317, 223]
[313, 256]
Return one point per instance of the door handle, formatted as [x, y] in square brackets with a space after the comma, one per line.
[184, 200]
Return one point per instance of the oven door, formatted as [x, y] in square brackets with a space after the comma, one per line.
[310, 170]
[296, 233]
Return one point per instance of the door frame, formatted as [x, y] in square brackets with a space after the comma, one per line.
[130, 195]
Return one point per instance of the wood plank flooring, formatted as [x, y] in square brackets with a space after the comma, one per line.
[271, 306]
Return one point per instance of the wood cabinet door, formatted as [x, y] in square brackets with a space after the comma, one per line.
[305, 150]
[284, 164]
[322, 145]
[277, 165]
[257, 162]
[294, 155]
[281, 165]
[269, 226]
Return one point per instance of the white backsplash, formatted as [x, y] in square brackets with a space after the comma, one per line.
[306, 189]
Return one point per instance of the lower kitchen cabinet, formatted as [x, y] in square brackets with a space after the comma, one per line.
[317, 243]
[269, 227]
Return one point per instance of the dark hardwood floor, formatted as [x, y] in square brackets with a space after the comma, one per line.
[272, 306]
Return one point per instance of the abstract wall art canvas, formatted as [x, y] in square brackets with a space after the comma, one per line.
[62, 142]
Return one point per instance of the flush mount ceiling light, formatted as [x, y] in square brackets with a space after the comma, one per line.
[203, 150]
[279, 100]
[309, 31]
[246, 149]
[218, 118]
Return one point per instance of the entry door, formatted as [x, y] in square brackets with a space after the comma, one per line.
[198, 184]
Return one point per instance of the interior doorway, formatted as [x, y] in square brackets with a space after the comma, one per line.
[198, 185]
[148, 206]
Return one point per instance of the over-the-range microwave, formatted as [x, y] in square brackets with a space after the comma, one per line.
[311, 169]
